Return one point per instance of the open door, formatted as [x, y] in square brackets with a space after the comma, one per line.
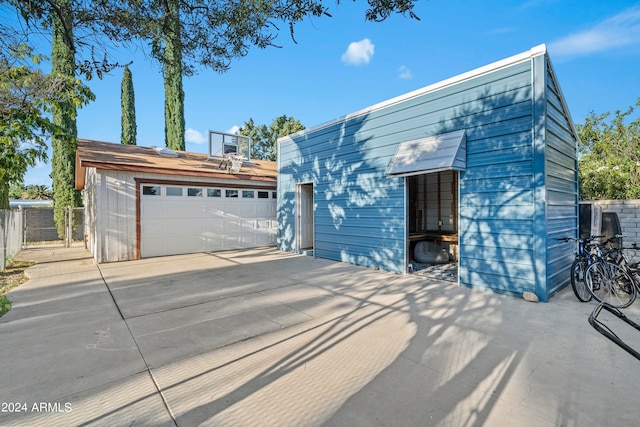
[431, 167]
[432, 215]
[305, 217]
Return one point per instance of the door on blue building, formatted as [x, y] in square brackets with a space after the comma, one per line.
[433, 217]
[304, 217]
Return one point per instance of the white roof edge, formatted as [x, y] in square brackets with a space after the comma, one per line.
[485, 69]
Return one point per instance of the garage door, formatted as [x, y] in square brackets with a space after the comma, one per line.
[180, 219]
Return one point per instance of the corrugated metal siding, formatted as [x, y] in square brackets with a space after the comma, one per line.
[561, 166]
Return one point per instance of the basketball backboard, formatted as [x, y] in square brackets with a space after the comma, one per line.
[222, 144]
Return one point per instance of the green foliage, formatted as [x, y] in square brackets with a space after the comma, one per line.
[129, 129]
[184, 35]
[12, 276]
[264, 139]
[85, 38]
[213, 32]
[609, 156]
[28, 98]
[5, 305]
[173, 90]
[36, 192]
[64, 117]
[15, 191]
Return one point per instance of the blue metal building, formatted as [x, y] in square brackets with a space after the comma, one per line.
[483, 164]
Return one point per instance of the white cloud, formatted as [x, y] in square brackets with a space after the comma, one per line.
[404, 72]
[358, 53]
[234, 129]
[194, 137]
[620, 30]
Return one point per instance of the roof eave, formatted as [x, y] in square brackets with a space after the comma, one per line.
[168, 171]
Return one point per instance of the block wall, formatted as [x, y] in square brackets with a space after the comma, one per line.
[629, 214]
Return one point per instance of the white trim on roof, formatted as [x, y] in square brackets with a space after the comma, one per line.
[504, 63]
[446, 151]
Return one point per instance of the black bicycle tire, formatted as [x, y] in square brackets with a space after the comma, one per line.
[610, 283]
[580, 288]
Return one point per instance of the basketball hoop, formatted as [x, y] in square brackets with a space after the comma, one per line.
[222, 144]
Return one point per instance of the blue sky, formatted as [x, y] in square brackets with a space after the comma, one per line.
[343, 64]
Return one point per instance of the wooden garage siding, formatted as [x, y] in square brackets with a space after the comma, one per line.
[359, 214]
[562, 186]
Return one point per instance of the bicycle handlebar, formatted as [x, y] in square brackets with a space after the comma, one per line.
[586, 240]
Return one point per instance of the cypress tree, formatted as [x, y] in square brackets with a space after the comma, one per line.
[64, 143]
[128, 135]
[173, 90]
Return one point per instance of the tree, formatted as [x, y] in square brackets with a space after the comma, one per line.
[182, 34]
[173, 90]
[264, 139]
[609, 156]
[64, 142]
[258, 134]
[84, 37]
[57, 19]
[27, 98]
[186, 34]
[37, 192]
[128, 135]
[15, 191]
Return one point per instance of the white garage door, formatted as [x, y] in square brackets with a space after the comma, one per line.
[181, 219]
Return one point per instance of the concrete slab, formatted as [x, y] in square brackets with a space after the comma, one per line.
[129, 401]
[264, 338]
[62, 338]
[297, 376]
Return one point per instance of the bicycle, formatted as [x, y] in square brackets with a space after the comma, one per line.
[586, 254]
[613, 280]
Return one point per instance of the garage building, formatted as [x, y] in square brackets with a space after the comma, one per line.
[482, 165]
[142, 202]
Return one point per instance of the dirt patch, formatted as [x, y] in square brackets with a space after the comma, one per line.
[12, 276]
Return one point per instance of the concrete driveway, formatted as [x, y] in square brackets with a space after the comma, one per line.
[265, 338]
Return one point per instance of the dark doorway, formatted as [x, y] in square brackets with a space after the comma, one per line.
[433, 222]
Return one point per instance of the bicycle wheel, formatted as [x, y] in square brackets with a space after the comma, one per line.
[610, 283]
[578, 284]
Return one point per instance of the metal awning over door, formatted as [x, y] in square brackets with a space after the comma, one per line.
[446, 151]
